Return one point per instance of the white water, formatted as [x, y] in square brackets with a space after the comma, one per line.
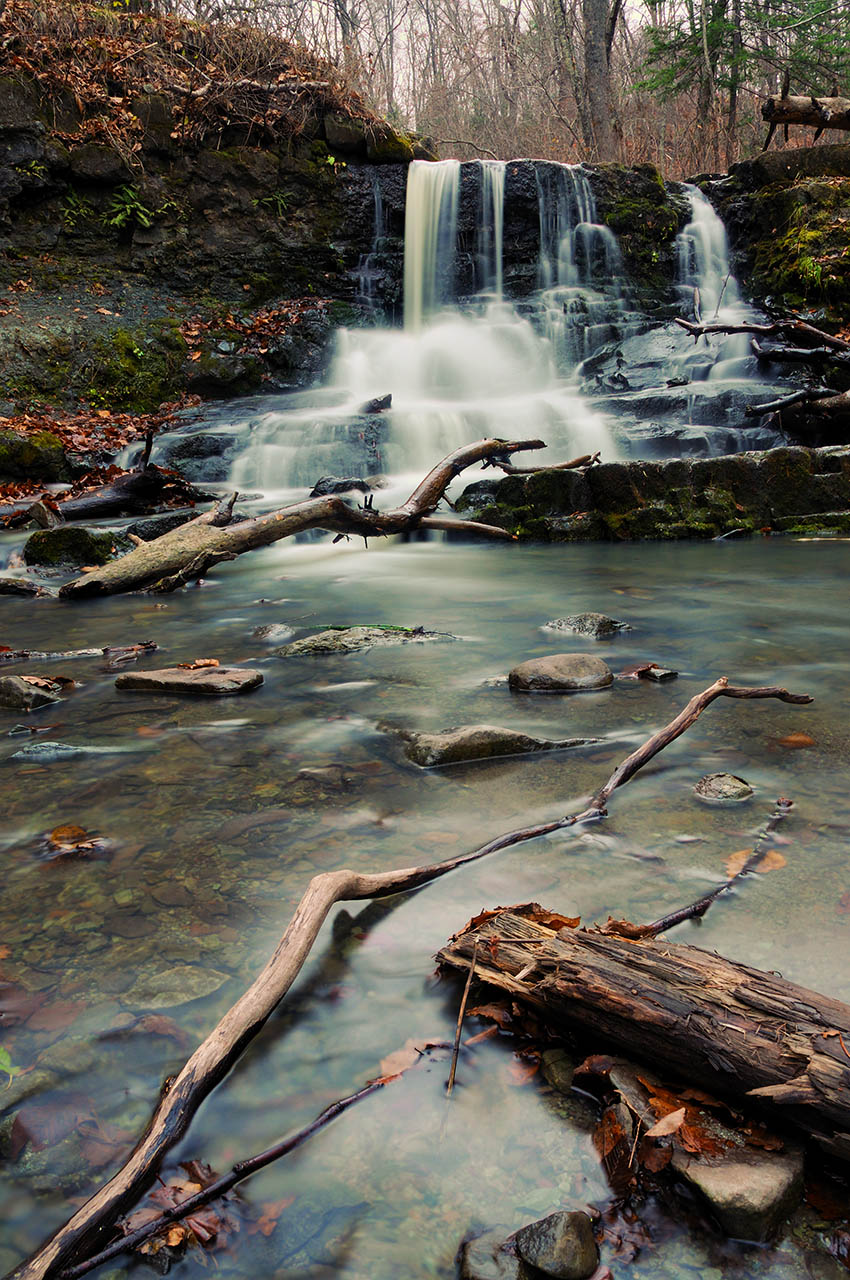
[491, 228]
[710, 288]
[430, 233]
[454, 376]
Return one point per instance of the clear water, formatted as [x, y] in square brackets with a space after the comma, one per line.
[215, 838]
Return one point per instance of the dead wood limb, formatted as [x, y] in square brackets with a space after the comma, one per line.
[172, 555]
[786, 402]
[696, 910]
[459, 1028]
[796, 355]
[819, 113]
[221, 1186]
[586, 460]
[731, 1028]
[804, 332]
[213, 1058]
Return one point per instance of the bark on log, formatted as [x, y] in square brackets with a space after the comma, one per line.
[210, 539]
[738, 1031]
[820, 113]
[806, 333]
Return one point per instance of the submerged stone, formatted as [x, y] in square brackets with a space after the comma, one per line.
[561, 1245]
[560, 673]
[722, 787]
[598, 625]
[172, 987]
[214, 682]
[487, 1258]
[478, 742]
[356, 639]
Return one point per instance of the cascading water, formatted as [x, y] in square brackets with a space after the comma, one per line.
[580, 270]
[454, 375]
[491, 229]
[430, 237]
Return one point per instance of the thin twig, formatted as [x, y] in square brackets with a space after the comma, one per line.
[459, 1027]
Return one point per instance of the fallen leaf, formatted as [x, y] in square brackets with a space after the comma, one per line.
[198, 663]
[667, 1124]
[654, 1157]
[272, 1209]
[771, 860]
[795, 741]
[521, 1071]
[498, 1013]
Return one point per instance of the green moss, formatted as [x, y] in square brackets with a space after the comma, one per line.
[72, 545]
[802, 258]
[40, 456]
[134, 368]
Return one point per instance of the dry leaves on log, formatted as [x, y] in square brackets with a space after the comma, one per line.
[70, 841]
[205, 1226]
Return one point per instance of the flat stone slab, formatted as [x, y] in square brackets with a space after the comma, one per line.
[209, 682]
[722, 788]
[172, 987]
[20, 695]
[750, 1193]
[560, 673]
[357, 639]
[479, 742]
[598, 625]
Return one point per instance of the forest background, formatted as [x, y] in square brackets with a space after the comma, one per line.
[675, 82]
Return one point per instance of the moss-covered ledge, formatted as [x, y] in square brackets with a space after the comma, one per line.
[780, 489]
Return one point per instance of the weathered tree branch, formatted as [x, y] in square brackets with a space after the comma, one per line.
[586, 460]
[213, 1058]
[174, 555]
[820, 113]
[798, 328]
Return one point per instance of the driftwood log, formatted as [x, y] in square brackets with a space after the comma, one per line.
[186, 553]
[819, 113]
[805, 334]
[736, 1030]
[211, 1061]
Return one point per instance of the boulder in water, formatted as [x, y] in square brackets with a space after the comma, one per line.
[598, 625]
[560, 673]
[478, 742]
[357, 639]
[561, 1245]
[21, 695]
[339, 484]
[722, 788]
[214, 682]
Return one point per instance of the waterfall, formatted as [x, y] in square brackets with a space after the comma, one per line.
[490, 228]
[579, 267]
[430, 233]
[367, 267]
[703, 257]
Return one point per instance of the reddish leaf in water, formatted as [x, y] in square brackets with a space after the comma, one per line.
[198, 663]
[696, 1139]
[43, 1124]
[56, 1016]
[795, 741]
[771, 860]
[102, 1143]
[624, 929]
[17, 1004]
[522, 1071]
[272, 1209]
[654, 1156]
[609, 1133]
[498, 1013]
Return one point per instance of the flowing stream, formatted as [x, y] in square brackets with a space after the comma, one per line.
[218, 813]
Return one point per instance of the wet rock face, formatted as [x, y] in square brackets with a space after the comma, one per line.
[623, 501]
[561, 1245]
[560, 673]
[19, 695]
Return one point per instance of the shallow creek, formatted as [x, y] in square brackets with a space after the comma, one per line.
[198, 888]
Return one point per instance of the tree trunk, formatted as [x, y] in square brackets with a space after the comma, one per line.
[736, 1030]
[597, 80]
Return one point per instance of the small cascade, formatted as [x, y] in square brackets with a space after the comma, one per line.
[489, 233]
[580, 272]
[430, 234]
[709, 287]
[367, 268]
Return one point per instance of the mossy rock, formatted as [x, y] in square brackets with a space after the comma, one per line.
[73, 546]
[386, 145]
[40, 456]
[134, 368]
[801, 247]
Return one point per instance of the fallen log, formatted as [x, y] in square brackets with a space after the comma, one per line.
[806, 333]
[818, 113]
[189, 550]
[227, 1041]
[586, 460]
[750, 1035]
